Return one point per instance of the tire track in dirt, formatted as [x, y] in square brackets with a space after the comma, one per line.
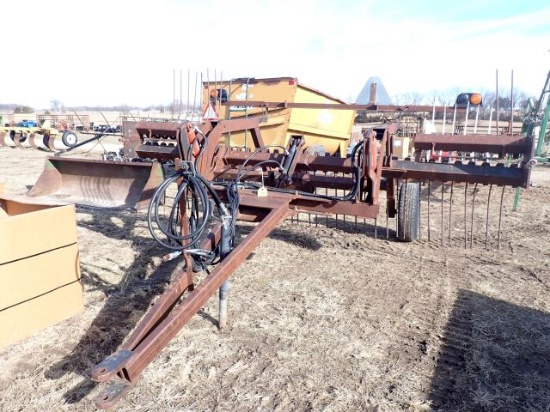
[421, 333]
[421, 303]
[449, 379]
[330, 318]
[434, 326]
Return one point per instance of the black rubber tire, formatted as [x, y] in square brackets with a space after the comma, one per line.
[408, 212]
[69, 138]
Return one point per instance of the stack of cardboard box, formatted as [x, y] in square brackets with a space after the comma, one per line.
[39, 267]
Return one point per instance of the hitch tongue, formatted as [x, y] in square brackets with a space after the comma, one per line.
[112, 394]
[111, 366]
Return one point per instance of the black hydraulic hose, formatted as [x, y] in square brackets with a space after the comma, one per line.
[171, 230]
[197, 192]
[356, 171]
[214, 194]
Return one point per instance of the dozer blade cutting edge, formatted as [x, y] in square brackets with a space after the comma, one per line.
[97, 183]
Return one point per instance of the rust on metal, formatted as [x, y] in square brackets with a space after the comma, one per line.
[99, 184]
[336, 106]
[158, 328]
[264, 185]
[501, 144]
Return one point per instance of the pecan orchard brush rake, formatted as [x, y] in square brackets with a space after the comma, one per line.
[215, 185]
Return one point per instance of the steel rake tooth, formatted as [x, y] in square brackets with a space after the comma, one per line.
[420, 212]
[450, 211]
[442, 213]
[487, 216]
[387, 226]
[469, 214]
[472, 216]
[429, 195]
[465, 216]
[326, 194]
[500, 216]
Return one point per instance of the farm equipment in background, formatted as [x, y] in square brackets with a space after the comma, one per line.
[27, 123]
[43, 136]
[96, 183]
[539, 118]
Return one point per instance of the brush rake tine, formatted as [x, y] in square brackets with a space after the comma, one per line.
[396, 217]
[472, 221]
[442, 215]
[326, 194]
[487, 216]
[429, 195]
[336, 214]
[315, 214]
[419, 213]
[500, 216]
[336, 194]
[450, 211]
[465, 215]
[387, 226]
[344, 216]
[364, 219]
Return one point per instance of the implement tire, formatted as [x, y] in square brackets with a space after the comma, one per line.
[69, 138]
[408, 212]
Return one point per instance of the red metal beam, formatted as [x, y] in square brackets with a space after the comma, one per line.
[339, 106]
[465, 173]
[126, 365]
[501, 144]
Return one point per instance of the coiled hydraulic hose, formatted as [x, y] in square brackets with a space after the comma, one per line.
[191, 185]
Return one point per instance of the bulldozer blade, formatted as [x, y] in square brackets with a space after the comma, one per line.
[97, 183]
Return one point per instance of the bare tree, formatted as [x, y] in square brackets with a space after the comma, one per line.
[56, 105]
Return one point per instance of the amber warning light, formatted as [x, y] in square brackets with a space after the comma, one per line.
[469, 99]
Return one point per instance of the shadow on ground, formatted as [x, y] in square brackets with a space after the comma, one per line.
[495, 357]
[125, 302]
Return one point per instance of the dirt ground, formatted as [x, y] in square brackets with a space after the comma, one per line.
[323, 316]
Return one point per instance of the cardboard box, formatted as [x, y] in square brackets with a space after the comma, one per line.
[21, 321]
[28, 278]
[39, 266]
[28, 228]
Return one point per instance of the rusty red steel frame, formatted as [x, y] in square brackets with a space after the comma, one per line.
[292, 179]
[371, 107]
[163, 321]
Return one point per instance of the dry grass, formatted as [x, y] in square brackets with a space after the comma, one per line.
[320, 317]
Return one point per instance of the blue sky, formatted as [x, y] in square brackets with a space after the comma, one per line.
[124, 52]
